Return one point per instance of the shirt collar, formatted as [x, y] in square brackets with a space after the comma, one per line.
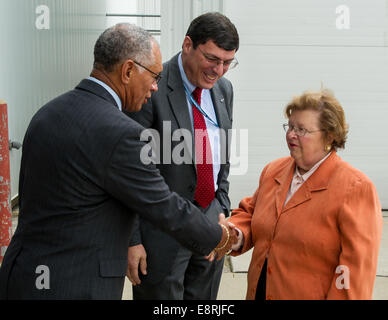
[110, 90]
[305, 176]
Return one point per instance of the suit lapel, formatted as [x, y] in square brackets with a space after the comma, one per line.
[318, 181]
[219, 106]
[301, 195]
[283, 180]
[178, 102]
[218, 100]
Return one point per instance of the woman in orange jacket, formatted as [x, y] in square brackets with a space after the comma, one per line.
[315, 221]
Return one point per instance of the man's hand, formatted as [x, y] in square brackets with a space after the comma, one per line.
[137, 257]
[229, 238]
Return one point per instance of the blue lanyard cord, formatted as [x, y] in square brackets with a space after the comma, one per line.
[195, 103]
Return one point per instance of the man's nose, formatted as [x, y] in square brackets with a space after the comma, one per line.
[219, 69]
[154, 86]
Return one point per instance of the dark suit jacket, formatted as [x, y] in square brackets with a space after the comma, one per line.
[81, 185]
[169, 104]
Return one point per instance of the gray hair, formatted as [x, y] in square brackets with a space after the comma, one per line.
[121, 42]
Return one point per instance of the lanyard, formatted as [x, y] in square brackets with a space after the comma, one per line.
[195, 103]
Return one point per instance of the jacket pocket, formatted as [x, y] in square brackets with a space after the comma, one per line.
[111, 268]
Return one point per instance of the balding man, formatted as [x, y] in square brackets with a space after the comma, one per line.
[82, 183]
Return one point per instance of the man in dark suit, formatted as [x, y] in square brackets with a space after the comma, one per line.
[82, 182]
[192, 87]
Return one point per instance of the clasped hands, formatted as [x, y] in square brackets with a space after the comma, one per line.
[137, 256]
[229, 238]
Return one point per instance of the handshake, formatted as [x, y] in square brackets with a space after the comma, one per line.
[137, 256]
[229, 238]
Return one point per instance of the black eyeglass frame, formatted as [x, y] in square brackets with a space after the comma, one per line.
[157, 77]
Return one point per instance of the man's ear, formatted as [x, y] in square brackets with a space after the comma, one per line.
[187, 44]
[126, 70]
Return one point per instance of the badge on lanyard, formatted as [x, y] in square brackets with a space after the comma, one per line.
[195, 103]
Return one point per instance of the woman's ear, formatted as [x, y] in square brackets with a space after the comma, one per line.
[329, 139]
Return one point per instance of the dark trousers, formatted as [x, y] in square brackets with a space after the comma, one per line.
[260, 290]
[191, 277]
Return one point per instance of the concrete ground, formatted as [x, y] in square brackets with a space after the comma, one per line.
[234, 279]
[233, 285]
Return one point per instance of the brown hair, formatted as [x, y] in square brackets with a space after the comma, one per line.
[331, 115]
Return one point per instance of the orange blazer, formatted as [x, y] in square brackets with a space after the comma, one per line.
[323, 244]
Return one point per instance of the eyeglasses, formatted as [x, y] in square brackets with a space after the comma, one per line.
[300, 132]
[157, 76]
[215, 61]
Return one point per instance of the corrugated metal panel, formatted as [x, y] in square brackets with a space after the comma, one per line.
[144, 13]
[150, 7]
[37, 64]
[287, 47]
[120, 7]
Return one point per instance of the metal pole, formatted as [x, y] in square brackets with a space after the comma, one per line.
[5, 186]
